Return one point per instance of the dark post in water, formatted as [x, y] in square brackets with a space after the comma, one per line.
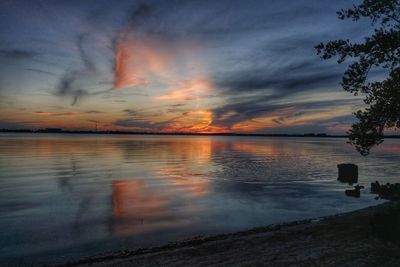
[348, 173]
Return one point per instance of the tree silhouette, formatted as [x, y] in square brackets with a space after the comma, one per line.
[380, 51]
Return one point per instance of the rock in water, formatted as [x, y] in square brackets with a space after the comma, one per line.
[387, 191]
[354, 192]
[375, 188]
[348, 173]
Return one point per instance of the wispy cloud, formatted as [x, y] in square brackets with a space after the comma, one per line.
[16, 54]
[41, 71]
[188, 90]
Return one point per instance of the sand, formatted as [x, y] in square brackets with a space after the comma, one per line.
[342, 240]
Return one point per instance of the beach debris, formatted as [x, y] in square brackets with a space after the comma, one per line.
[348, 173]
[354, 192]
[386, 191]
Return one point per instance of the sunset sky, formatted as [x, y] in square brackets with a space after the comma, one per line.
[174, 66]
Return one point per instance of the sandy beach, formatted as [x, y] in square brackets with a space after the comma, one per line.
[350, 239]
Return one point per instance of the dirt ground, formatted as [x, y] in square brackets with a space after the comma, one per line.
[350, 239]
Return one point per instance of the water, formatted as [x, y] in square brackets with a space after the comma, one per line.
[64, 197]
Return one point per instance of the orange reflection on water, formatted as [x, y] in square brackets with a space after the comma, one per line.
[140, 208]
[133, 195]
[193, 154]
[186, 183]
[191, 150]
[257, 148]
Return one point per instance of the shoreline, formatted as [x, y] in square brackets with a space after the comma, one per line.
[111, 132]
[305, 135]
[312, 242]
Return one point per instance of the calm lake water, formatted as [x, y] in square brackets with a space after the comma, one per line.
[64, 197]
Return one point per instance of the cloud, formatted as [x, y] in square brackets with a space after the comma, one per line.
[75, 113]
[73, 82]
[284, 83]
[66, 87]
[17, 54]
[93, 112]
[279, 121]
[86, 60]
[176, 108]
[141, 121]
[139, 124]
[188, 90]
[190, 121]
[43, 113]
[130, 112]
[280, 113]
[136, 60]
[270, 79]
[41, 71]
[147, 52]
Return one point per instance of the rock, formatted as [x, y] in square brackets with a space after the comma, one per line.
[387, 191]
[348, 173]
[354, 192]
[375, 187]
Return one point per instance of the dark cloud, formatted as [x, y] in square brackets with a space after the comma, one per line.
[93, 112]
[284, 81]
[176, 108]
[16, 124]
[74, 113]
[66, 87]
[140, 124]
[339, 121]
[323, 126]
[41, 71]
[279, 121]
[130, 112]
[271, 72]
[286, 65]
[219, 18]
[16, 54]
[72, 83]
[255, 107]
[86, 60]
[139, 14]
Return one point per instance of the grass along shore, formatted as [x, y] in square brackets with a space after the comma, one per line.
[366, 237]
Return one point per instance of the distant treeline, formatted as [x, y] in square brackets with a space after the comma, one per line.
[58, 130]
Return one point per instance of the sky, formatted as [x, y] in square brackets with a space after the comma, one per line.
[193, 66]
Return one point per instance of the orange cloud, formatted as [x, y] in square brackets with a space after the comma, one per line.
[42, 113]
[195, 121]
[46, 113]
[266, 121]
[188, 90]
[254, 124]
[136, 61]
[285, 117]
